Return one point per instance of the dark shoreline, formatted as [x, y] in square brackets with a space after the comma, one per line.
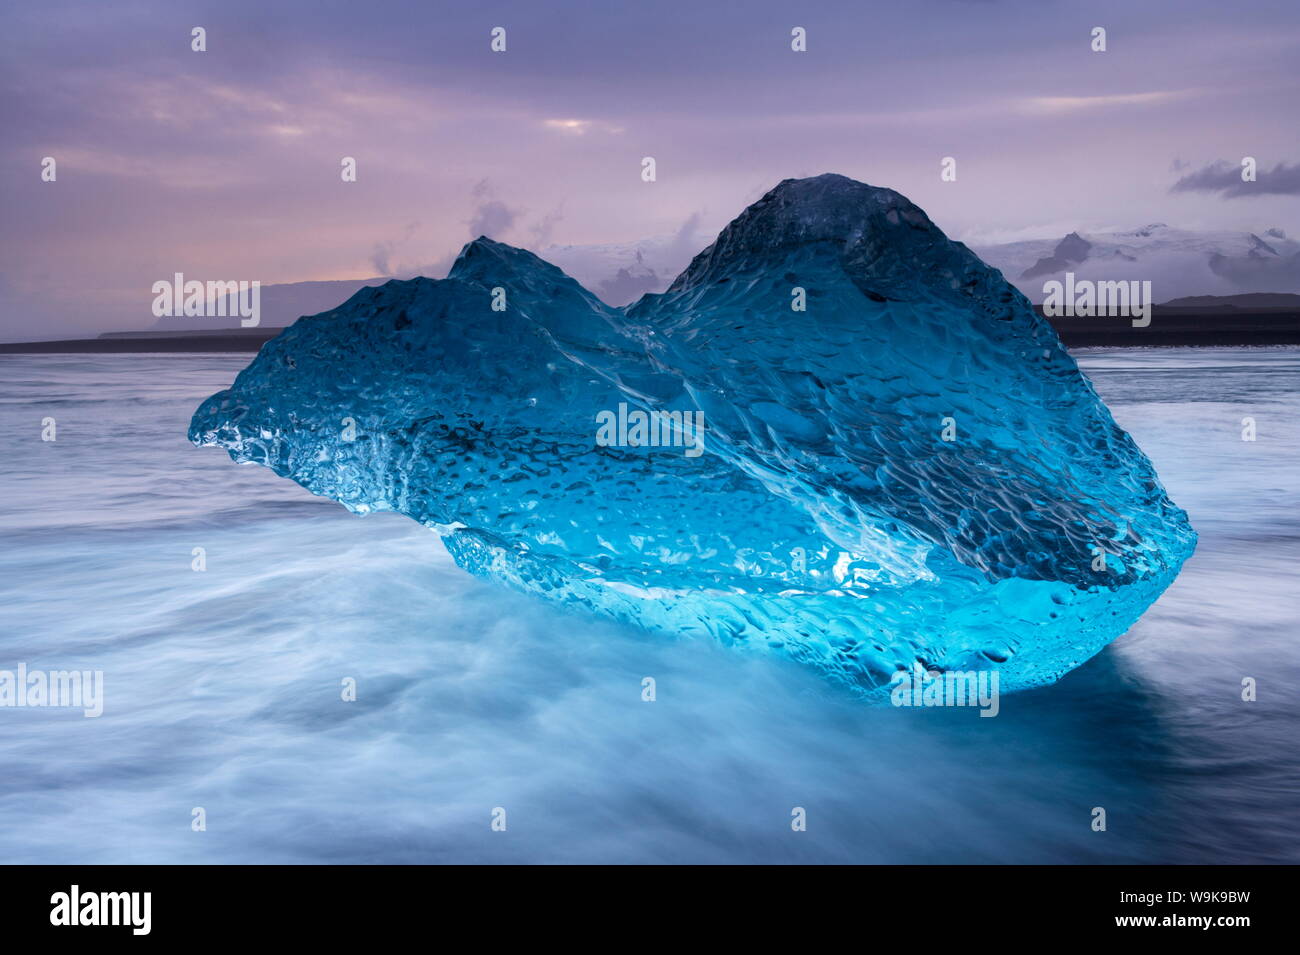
[1184, 326]
[1170, 326]
[199, 340]
[193, 342]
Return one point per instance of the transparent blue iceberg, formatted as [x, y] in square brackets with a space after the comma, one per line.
[911, 468]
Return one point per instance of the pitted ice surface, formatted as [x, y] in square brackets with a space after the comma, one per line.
[910, 469]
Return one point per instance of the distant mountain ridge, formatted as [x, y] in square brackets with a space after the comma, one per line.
[1247, 300]
[1179, 263]
[281, 304]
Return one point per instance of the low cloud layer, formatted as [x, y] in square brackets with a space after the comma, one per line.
[1224, 178]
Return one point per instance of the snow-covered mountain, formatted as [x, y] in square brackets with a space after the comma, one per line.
[1177, 262]
[622, 272]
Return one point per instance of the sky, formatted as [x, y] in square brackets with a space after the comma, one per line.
[225, 164]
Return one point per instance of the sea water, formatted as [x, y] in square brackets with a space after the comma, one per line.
[223, 688]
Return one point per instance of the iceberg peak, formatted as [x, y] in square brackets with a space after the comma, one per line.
[883, 241]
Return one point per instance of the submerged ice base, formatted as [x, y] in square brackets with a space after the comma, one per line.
[912, 469]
